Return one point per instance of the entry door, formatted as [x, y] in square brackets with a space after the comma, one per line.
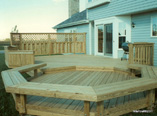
[108, 39]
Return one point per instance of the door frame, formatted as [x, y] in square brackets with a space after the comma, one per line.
[104, 22]
[115, 36]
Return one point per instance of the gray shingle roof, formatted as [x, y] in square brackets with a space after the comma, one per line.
[74, 18]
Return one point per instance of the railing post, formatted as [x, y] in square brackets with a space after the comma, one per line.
[50, 44]
[11, 38]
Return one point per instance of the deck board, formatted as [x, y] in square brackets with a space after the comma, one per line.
[84, 78]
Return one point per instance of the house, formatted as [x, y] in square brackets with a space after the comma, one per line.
[109, 23]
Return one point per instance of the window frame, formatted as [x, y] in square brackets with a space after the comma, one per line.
[151, 26]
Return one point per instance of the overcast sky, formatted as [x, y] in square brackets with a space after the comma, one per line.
[32, 15]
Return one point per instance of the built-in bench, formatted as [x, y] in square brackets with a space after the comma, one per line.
[13, 76]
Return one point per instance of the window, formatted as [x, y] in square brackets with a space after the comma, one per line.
[154, 26]
[122, 33]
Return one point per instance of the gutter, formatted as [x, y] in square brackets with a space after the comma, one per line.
[71, 24]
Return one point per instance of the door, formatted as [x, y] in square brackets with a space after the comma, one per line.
[108, 39]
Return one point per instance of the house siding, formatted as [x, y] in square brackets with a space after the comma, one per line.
[142, 30]
[80, 29]
[121, 7]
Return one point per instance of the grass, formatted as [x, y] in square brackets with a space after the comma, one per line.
[7, 105]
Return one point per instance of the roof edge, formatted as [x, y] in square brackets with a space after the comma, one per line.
[71, 24]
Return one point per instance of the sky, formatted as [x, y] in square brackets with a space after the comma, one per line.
[32, 15]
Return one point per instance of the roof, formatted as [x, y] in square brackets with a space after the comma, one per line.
[76, 19]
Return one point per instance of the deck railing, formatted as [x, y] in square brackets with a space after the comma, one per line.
[50, 43]
[141, 53]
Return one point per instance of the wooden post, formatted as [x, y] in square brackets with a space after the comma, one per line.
[21, 103]
[151, 99]
[86, 108]
[50, 44]
[100, 108]
[131, 53]
[11, 37]
[35, 73]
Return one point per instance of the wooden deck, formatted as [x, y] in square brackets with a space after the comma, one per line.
[97, 86]
[80, 60]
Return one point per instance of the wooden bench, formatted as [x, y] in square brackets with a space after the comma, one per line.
[146, 71]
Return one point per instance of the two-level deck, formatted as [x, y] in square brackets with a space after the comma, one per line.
[80, 85]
